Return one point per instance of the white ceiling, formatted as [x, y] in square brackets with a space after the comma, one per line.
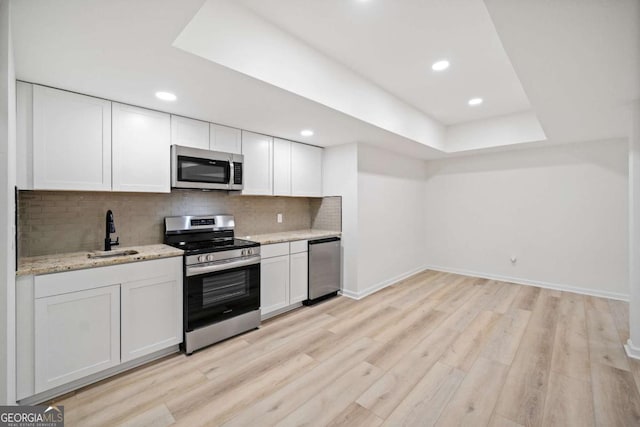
[394, 44]
[574, 66]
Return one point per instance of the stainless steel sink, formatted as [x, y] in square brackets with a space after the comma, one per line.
[112, 254]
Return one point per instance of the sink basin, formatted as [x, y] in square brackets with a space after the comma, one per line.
[111, 254]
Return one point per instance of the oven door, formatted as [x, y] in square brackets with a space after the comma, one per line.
[218, 291]
[203, 169]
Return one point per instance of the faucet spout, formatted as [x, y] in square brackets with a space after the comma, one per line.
[110, 228]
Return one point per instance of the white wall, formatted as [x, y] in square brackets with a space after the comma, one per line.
[7, 231]
[562, 211]
[340, 178]
[390, 217]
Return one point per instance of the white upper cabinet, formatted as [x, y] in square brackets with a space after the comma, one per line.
[281, 167]
[189, 132]
[71, 145]
[226, 139]
[258, 163]
[141, 150]
[306, 170]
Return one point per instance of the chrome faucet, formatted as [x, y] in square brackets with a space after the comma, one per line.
[110, 228]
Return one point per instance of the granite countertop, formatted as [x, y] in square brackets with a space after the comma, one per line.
[79, 260]
[288, 236]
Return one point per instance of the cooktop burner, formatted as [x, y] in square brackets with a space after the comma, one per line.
[213, 245]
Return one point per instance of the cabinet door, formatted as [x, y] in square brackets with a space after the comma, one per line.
[306, 170]
[76, 334]
[299, 277]
[258, 160]
[189, 132]
[151, 316]
[226, 139]
[71, 141]
[141, 150]
[274, 284]
[281, 167]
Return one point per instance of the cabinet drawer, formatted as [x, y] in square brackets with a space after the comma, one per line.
[299, 246]
[276, 249]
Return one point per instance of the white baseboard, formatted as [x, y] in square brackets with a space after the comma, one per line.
[632, 350]
[380, 285]
[527, 282]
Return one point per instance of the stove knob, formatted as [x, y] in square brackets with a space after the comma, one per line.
[249, 251]
[202, 258]
[243, 252]
[210, 257]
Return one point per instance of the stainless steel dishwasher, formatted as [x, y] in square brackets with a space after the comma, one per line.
[324, 269]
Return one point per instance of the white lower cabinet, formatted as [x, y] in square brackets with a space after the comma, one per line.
[151, 319]
[73, 326]
[298, 270]
[283, 277]
[274, 284]
[76, 334]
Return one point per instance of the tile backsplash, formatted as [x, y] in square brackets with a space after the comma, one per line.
[56, 221]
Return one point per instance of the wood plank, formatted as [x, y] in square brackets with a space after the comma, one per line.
[526, 298]
[386, 393]
[355, 416]
[225, 403]
[466, 348]
[569, 402]
[571, 346]
[475, 399]
[615, 395]
[158, 416]
[604, 342]
[595, 303]
[523, 395]
[324, 407]
[278, 405]
[503, 342]
[500, 421]
[428, 399]
[620, 313]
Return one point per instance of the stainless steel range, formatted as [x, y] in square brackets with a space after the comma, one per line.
[221, 278]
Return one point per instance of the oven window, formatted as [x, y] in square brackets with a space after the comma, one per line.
[193, 169]
[219, 295]
[224, 287]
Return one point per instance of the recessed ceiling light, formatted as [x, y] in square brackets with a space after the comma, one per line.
[166, 96]
[475, 101]
[306, 132]
[440, 65]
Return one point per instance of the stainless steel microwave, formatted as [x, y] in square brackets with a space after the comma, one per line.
[205, 169]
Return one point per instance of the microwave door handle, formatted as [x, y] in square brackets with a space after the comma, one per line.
[227, 265]
[232, 173]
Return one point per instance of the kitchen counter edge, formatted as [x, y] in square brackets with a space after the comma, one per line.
[57, 263]
[291, 236]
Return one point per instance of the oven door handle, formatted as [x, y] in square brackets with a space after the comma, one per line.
[221, 266]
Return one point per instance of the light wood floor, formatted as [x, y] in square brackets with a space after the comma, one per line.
[435, 349]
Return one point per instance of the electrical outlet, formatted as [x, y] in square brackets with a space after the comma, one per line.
[279, 218]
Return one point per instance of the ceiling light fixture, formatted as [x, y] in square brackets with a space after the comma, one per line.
[475, 101]
[306, 132]
[166, 96]
[440, 65]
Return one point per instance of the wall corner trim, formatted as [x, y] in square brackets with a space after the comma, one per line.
[381, 285]
[631, 350]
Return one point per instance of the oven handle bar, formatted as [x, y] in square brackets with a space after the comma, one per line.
[221, 266]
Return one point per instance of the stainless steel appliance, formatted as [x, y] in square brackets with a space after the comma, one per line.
[221, 278]
[324, 269]
[205, 169]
